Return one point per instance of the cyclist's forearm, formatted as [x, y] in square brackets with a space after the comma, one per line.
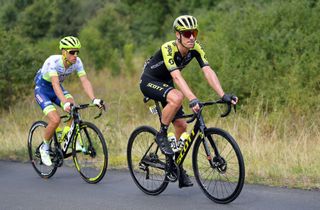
[86, 84]
[213, 80]
[183, 86]
[57, 89]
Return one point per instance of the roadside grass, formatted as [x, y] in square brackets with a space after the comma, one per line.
[282, 153]
[279, 149]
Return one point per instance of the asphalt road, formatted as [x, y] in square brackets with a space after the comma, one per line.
[21, 188]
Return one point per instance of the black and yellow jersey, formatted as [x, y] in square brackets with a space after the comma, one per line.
[169, 59]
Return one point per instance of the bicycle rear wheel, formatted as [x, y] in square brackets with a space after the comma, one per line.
[35, 140]
[221, 178]
[90, 154]
[146, 162]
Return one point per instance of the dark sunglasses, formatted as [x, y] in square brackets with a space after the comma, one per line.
[73, 52]
[188, 34]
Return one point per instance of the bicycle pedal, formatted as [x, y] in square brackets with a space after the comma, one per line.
[172, 177]
[142, 167]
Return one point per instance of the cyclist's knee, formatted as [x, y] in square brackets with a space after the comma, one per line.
[54, 118]
[175, 97]
[55, 122]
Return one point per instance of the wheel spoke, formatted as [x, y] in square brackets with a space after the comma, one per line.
[35, 140]
[146, 162]
[223, 179]
[90, 156]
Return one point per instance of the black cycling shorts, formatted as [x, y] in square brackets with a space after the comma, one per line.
[158, 91]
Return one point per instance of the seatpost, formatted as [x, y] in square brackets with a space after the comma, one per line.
[158, 109]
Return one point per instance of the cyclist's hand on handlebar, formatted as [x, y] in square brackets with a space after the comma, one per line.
[99, 103]
[194, 105]
[229, 98]
[67, 106]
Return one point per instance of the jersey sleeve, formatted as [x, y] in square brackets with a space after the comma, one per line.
[168, 50]
[201, 56]
[80, 69]
[49, 70]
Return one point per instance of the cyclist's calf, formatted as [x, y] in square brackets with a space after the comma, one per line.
[180, 126]
[53, 123]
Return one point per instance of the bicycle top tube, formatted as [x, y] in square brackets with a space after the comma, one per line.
[76, 108]
[193, 116]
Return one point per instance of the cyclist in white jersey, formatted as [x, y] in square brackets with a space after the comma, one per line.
[49, 90]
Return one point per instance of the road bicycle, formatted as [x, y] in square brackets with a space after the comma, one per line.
[88, 147]
[217, 161]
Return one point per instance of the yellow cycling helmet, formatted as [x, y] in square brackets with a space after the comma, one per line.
[69, 42]
[185, 23]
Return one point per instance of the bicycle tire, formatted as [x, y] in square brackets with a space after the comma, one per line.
[145, 160]
[222, 184]
[91, 160]
[35, 140]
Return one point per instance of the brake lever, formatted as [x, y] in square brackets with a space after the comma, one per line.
[104, 107]
[99, 115]
[228, 110]
[69, 115]
[192, 119]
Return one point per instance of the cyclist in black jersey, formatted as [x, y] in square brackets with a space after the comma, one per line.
[163, 70]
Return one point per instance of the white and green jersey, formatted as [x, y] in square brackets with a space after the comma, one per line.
[53, 66]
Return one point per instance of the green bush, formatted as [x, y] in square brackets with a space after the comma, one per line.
[105, 37]
[266, 51]
[19, 63]
[262, 50]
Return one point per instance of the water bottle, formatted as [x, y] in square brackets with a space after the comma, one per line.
[64, 136]
[173, 142]
[59, 134]
[182, 140]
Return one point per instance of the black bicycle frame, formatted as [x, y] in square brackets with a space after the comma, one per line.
[198, 127]
[75, 126]
[187, 145]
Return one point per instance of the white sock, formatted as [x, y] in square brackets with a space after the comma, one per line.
[46, 145]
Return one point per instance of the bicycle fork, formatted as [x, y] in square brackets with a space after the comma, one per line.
[216, 161]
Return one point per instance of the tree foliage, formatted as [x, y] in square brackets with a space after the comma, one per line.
[265, 51]
[18, 66]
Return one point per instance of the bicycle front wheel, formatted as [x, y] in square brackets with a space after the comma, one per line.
[220, 177]
[90, 154]
[146, 162]
[35, 140]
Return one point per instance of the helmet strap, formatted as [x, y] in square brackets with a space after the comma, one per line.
[64, 57]
[180, 41]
